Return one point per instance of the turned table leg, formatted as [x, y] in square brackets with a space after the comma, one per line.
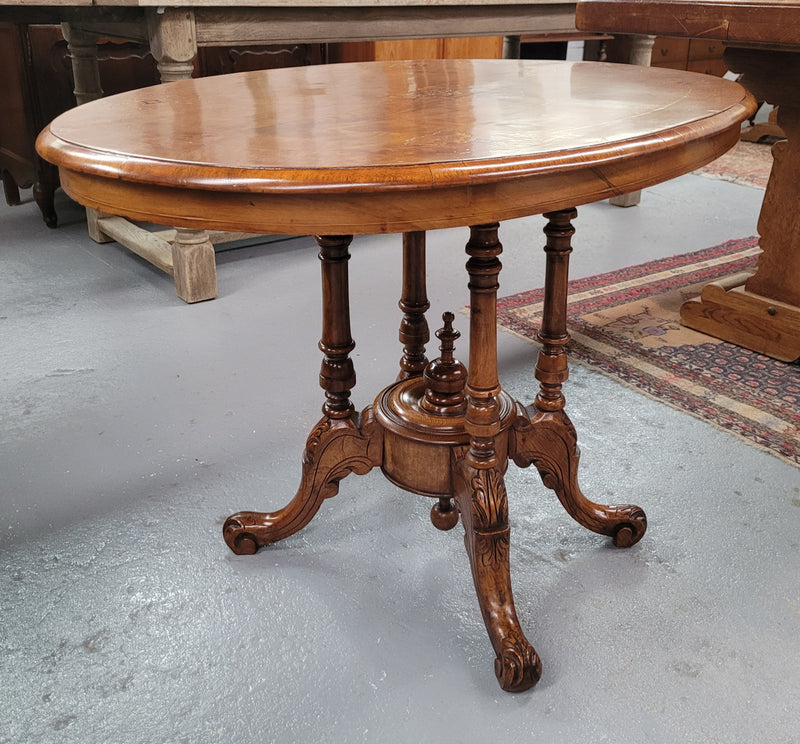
[82, 47]
[548, 440]
[480, 490]
[414, 332]
[640, 54]
[342, 442]
[173, 43]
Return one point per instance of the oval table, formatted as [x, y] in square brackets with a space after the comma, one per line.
[405, 147]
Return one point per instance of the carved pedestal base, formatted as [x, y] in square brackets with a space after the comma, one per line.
[448, 434]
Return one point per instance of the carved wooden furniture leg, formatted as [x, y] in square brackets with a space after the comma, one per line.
[172, 37]
[548, 440]
[480, 491]
[190, 257]
[82, 47]
[414, 333]
[340, 443]
[44, 193]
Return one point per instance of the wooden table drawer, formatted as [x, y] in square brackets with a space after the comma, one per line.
[670, 50]
[708, 66]
[704, 48]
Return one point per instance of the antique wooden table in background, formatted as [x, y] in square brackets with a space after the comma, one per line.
[174, 29]
[761, 310]
[406, 147]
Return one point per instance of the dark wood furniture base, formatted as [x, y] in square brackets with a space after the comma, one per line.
[435, 434]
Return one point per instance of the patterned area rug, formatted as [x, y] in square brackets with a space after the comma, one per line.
[748, 163]
[626, 325]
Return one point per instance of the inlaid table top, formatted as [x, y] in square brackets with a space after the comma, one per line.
[389, 147]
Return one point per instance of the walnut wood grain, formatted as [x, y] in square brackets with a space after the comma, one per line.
[410, 146]
[389, 134]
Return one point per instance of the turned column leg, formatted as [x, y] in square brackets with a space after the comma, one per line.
[414, 332]
[640, 54]
[342, 442]
[480, 491]
[548, 440]
[82, 47]
[551, 366]
[173, 42]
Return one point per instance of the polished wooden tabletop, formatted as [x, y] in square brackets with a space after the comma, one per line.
[773, 22]
[389, 147]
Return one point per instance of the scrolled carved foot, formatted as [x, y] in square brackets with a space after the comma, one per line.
[239, 535]
[518, 667]
[548, 441]
[335, 448]
[632, 524]
[483, 505]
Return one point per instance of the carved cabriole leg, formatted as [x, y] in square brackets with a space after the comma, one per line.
[340, 443]
[414, 332]
[479, 488]
[548, 440]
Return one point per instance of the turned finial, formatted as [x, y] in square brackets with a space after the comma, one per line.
[445, 377]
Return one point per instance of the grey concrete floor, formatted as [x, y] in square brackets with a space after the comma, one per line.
[132, 424]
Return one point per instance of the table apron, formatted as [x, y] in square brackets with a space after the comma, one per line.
[402, 210]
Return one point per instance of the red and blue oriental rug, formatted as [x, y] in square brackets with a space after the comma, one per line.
[626, 325]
